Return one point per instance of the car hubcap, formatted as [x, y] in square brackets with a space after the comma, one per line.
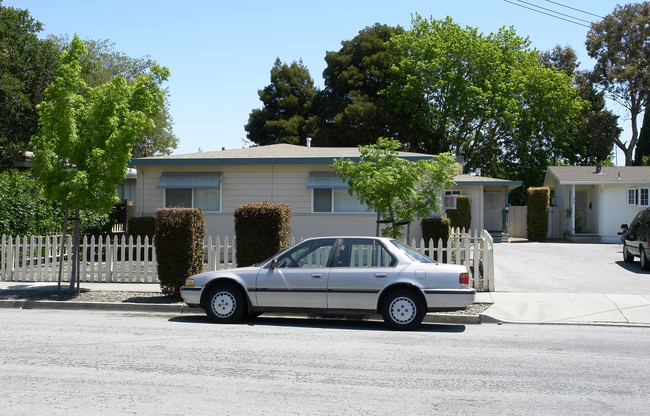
[402, 310]
[223, 304]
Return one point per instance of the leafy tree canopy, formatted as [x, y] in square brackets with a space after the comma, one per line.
[487, 98]
[286, 115]
[399, 190]
[102, 63]
[27, 66]
[619, 44]
[87, 134]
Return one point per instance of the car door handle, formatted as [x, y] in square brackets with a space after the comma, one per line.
[316, 275]
[380, 275]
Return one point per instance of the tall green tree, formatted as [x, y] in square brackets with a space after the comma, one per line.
[27, 66]
[598, 128]
[399, 190]
[643, 145]
[351, 111]
[86, 135]
[619, 44]
[487, 98]
[102, 63]
[286, 116]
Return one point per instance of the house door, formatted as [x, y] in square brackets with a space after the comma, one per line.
[582, 211]
[492, 212]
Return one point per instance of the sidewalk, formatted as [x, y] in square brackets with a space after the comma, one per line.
[516, 308]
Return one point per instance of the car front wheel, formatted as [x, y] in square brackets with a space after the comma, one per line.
[645, 263]
[225, 304]
[403, 309]
[627, 256]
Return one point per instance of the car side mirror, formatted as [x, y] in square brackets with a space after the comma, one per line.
[624, 226]
[274, 264]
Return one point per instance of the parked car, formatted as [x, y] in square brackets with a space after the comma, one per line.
[335, 275]
[636, 239]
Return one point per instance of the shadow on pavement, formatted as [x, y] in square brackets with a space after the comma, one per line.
[323, 323]
[632, 267]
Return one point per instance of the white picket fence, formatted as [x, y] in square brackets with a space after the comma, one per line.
[124, 259]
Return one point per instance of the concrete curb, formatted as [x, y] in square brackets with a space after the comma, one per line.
[487, 319]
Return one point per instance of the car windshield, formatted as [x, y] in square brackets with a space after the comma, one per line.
[412, 253]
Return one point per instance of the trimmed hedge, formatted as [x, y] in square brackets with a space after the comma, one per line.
[537, 215]
[141, 227]
[179, 234]
[461, 217]
[436, 228]
[261, 231]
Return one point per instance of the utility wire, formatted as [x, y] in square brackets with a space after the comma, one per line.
[573, 8]
[553, 11]
[548, 14]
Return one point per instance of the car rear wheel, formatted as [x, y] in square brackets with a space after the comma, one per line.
[645, 263]
[403, 309]
[225, 304]
[627, 256]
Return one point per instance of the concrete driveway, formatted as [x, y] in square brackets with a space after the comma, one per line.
[562, 267]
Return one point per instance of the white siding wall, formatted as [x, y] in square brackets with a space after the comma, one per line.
[616, 212]
[252, 184]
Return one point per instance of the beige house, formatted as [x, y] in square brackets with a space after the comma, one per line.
[594, 201]
[300, 176]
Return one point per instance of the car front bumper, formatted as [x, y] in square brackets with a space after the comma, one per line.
[192, 295]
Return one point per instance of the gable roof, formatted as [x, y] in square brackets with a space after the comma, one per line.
[274, 154]
[469, 180]
[586, 175]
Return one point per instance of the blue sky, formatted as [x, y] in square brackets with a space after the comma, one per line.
[220, 52]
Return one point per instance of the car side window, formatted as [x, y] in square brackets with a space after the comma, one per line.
[363, 253]
[310, 254]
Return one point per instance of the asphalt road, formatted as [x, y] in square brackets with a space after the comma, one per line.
[561, 267]
[67, 362]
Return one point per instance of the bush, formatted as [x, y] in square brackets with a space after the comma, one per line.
[436, 229]
[261, 231]
[141, 227]
[537, 215]
[179, 234]
[461, 217]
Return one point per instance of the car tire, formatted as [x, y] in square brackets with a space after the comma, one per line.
[225, 304]
[645, 263]
[627, 256]
[403, 310]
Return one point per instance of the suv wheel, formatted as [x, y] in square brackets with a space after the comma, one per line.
[645, 263]
[627, 256]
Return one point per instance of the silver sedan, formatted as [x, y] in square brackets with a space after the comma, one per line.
[335, 275]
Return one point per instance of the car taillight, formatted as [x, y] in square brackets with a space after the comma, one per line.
[463, 279]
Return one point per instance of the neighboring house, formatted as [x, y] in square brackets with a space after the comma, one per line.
[300, 176]
[595, 201]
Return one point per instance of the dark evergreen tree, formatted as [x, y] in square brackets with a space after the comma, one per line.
[286, 116]
[643, 145]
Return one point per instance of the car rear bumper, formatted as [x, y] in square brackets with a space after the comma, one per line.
[191, 295]
[449, 299]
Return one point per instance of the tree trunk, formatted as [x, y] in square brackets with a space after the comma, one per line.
[74, 276]
[61, 250]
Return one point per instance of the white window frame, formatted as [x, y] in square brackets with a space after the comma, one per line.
[634, 197]
[332, 204]
[193, 189]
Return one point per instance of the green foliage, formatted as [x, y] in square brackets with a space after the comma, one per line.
[261, 231]
[619, 44]
[179, 235]
[487, 98]
[141, 227]
[398, 189]
[643, 145]
[24, 210]
[518, 196]
[103, 63]
[286, 116]
[538, 202]
[461, 217]
[593, 141]
[27, 66]
[350, 110]
[86, 134]
[436, 229]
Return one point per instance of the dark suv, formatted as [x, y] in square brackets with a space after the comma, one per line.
[636, 239]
